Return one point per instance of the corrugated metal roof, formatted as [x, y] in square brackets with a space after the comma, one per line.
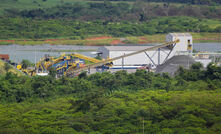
[126, 48]
[180, 34]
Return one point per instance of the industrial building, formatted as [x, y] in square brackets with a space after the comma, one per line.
[149, 58]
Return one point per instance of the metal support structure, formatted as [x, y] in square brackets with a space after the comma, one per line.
[150, 59]
[153, 54]
[164, 51]
[169, 53]
[158, 56]
[122, 66]
[72, 70]
[89, 70]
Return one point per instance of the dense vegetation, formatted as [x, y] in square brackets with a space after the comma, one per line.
[21, 28]
[200, 2]
[6, 67]
[113, 103]
[79, 20]
[138, 11]
[191, 1]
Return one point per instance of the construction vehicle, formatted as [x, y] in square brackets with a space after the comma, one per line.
[73, 64]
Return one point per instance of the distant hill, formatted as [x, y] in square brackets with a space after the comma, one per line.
[203, 2]
[36, 4]
[37, 19]
[32, 4]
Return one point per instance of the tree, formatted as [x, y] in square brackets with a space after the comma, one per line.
[25, 64]
[197, 66]
[142, 113]
[52, 72]
[7, 67]
[82, 75]
[218, 29]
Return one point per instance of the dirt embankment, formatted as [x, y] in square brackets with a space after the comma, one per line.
[99, 38]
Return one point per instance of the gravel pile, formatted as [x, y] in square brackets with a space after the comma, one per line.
[173, 64]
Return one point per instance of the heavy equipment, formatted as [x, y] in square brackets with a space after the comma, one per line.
[72, 64]
[63, 63]
[108, 62]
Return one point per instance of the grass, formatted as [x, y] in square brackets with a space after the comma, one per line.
[212, 23]
[36, 4]
[160, 38]
[12, 70]
[87, 42]
[157, 38]
[32, 4]
[206, 37]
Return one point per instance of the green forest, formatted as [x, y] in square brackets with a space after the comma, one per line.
[106, 103]
[109, 103]
[78, 20]
[26, 28]
[199, 2]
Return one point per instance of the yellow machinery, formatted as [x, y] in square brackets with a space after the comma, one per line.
[80, 56]
[107, 62]
[72, 64]
[190, 46]
[27, 71]
[60, 64]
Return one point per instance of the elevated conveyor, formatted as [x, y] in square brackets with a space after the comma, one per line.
[73, 71]
[80, 56]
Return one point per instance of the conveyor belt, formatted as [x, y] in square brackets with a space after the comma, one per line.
[80, 56]
[72, 71]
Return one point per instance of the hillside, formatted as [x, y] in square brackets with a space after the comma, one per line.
[107, 103]
[158, 111]
[79, 20]
[12, 70]
[31, 4]
[23, 28]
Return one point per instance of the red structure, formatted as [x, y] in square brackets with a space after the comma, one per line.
[4, 57]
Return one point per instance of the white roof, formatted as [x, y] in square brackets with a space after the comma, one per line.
[181, 34]
[126, 48]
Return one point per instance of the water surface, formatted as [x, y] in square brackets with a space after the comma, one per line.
[33, 53]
